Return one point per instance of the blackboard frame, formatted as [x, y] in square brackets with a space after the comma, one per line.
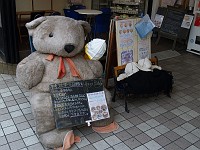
[70, 102]
[182, 33]
[166, 18]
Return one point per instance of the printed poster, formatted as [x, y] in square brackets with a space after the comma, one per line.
[144, 47]
[187, 21]
[98, 105]
[126, 40]
[158, 20]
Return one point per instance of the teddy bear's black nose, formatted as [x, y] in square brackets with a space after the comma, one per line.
[69, 48]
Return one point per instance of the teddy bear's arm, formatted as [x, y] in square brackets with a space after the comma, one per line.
[96, 67]
[30, 71]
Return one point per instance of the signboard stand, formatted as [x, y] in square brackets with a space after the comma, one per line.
[171, 26]
[125, 45]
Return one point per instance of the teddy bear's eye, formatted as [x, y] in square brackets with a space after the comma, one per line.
[51, 34]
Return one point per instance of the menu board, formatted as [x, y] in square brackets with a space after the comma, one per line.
[172, 21]
[71, 102]
[126, 41]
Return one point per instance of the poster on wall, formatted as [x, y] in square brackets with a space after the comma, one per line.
[187, 21]
[165, 3]
[158, 20]
[144, 47]
[126, 41]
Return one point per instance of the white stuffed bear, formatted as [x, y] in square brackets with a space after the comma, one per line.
[58, 41]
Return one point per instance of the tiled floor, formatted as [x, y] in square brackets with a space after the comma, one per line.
[155, 123]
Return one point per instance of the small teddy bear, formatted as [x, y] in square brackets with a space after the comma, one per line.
[59, 42]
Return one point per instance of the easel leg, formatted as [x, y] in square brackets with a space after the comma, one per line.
[174, 44]
[158, 39]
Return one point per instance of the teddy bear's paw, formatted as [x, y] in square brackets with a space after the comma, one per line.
[30, 74]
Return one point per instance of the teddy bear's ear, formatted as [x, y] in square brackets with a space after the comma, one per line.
[33, 24]
[86, 26]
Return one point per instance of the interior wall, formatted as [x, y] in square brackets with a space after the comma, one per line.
[26, 5]
[58, 5]
[155, 6]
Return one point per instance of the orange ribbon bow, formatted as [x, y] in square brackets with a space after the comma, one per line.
[62, 70]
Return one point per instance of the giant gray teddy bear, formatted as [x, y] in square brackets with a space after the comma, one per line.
[63, 37]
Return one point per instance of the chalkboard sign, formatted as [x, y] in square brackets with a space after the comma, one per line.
[70, 102]
[172, 21]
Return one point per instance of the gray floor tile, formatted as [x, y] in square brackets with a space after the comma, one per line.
[10, 103]
[152, 133]
[135, 120]
[143, 138]
[83, 142]
[133, 131]
[179, 121]
[101, 145]
[162, 140]
[3, 111]
[143, 127]
[123, 135]
[31, 140]
[17, 145]
[21, 100]
[197, 144]
[172, 135]
[171, 125]
[3, 140]
[162, 129]
[119, 118]
[19, 119]
[88, 147]
[13, 137]
[37, 146]
[126, 124]
[121, 146]
[8, 98]
[142, 147]
[152, 123]
[152, 145]
[5, 147]
[161, 119]
[132, 143]
[192, 148]
[94, 137]
[9, 130]
[180, 131]
[191, 138]
[7, 123]
[112, 140]
[172, 146]
[26, 132]
[182, 143]
[144, 117]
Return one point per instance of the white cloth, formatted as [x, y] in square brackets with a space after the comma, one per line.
[95, 49]
[133, 67]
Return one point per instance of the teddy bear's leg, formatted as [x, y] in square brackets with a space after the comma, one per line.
[54, 138]
[105, 122]
[41, 105]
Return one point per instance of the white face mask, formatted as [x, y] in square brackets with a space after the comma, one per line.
[95, 49]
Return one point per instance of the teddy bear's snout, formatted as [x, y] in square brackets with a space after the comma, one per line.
[69, 48]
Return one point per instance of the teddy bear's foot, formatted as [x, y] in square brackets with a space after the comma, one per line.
[53, 139]
[108, 124]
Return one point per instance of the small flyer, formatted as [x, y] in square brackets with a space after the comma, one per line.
[98, 105]
[126, 57]
[158, 20]
[187, 21]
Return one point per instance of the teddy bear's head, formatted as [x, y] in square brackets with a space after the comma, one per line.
[58, 35]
